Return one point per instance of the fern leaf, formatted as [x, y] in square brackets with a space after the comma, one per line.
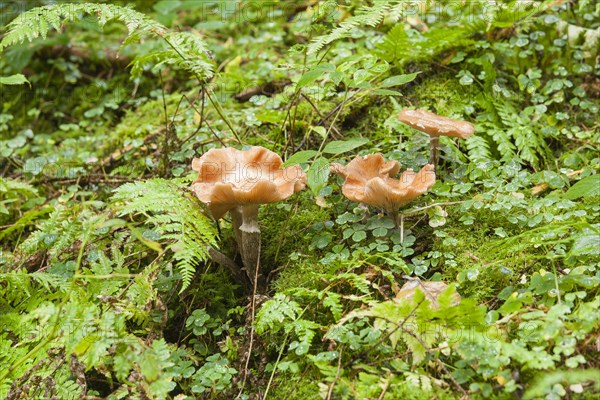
[478, 149]
[370, 16]
[175, 215]
[184, 49]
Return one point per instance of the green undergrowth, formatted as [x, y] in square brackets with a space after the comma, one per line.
[107, 285]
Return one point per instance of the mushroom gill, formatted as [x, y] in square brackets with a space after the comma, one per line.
[435, 126]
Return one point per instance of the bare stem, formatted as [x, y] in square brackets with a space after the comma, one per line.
[434, 150]
[247, 236]
[418, 210]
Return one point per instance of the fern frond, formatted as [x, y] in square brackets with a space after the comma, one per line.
[274, 312]
[12, 191]
[186, 52]
[18, 187]
[398, 46]
[366, 15]
[393, 45]
[478, 149]
[520, 130]
[38, 21]
[183, 49]
[60, 230]
[20, 284]
[176, 215]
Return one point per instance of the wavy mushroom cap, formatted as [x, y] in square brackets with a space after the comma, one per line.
[228, 178]
[436, 125]
[369, 180]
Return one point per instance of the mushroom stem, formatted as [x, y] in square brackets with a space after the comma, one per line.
[247, 235]
[434, 150]
[249, 219]
[401, 228]
[398, 219]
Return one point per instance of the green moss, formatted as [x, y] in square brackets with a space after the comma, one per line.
[442, 93]
[289, 388]
[286, 239]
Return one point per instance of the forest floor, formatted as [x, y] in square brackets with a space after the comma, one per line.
[488, 288]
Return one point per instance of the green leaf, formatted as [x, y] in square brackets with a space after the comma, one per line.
[320, 130]
[359, 236]
[587, 244]
[380, 232]
[342, 146]
[386, 92]
[149, 366]
[317, 175]
[314, 74]
[17, 79]
[587, 187]
[300, 157]
[322, 240]
[399, 80]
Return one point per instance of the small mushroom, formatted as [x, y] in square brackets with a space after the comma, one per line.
[435, 126]
[369, 180]
[238, 182]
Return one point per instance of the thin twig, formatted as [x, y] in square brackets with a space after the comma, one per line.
[219, 111]
[275, 367]
[385, 387]
[337, 132]
[418, 210]
[164, 162]
[252, 311]
[390, 333]
[337, 375]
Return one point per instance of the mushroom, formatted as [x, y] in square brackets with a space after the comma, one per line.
[436, 126]
[238, 182]
[369, 180]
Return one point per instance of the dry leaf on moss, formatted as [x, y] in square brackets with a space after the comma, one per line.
[431, 290]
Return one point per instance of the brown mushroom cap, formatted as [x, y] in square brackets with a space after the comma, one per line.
[369, 180]
[229, 178]
[436, 125]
